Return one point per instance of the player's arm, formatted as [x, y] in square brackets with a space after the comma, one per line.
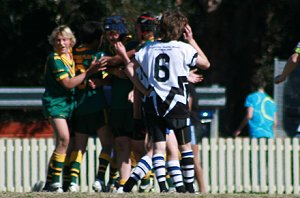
[96, 82]
[190, 103]
[115, 60]
[130, 67]
[117, 71]
[248, 116]
[69, 83]
[202, 61]
[130, 71]
[290, 65]
[194, 77]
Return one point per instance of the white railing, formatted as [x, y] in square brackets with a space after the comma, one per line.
[229, 165]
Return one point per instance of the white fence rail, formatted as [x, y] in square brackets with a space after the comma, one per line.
[229, 165]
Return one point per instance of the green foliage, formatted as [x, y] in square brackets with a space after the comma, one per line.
[25, 26]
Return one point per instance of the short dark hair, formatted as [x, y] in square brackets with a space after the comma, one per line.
[90, 31]
[147, 22]
[258, 81]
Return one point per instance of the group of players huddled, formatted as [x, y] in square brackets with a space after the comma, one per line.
[132, 94]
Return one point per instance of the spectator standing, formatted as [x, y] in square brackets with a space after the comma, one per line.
[261, 111]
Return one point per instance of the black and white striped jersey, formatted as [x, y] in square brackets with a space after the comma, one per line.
[165, 66]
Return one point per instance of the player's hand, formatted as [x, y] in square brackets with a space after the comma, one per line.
[188, 34]
[94, 67]
[278, 79]
[104, 60]
[193, 77]
[120, 48]
[131, 96]
[92, 84]
[237, 132]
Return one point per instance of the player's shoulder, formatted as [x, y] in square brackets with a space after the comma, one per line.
[53, 57]
[81, 50]
[148, 45]
[180, 44]
[252, 95]
[185, 45]
[132, 44]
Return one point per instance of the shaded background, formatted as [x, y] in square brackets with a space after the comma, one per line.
[238, 36]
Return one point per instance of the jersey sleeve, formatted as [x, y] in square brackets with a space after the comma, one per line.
[139, 55]
[249, 101]
[297, 48]
[190, 55]
[58, 69]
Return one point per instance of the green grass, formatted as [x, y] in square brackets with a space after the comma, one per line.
[129, 195]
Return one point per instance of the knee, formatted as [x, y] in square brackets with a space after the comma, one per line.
[63, 141]
[122, 145]
[185, 147]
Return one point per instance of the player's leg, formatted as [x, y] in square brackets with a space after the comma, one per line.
[82, 125]
[122, 122]
[198, 169]
[61, 129]
[158, 128]
[66, 175]
[105, 157]
[123, 159]
[141, 154]
[76, 159]
[139, 148]
[183, 137]
[113, 182]
[143, 167]
[173, 164]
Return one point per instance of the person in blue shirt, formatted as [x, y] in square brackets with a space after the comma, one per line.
[261, 111]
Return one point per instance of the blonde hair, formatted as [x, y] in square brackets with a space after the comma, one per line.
[65, 31]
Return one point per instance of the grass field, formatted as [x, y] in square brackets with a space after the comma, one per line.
[129, 195]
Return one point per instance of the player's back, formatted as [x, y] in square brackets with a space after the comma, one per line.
[166, 64]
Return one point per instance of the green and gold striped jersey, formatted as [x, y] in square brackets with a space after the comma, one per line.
[88, 100]
[57, 68]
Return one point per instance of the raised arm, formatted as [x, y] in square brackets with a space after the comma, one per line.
[290, 65]
[202, 61]
[130, 67]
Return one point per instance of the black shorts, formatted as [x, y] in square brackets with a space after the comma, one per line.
[140, 130]
[159, 125]
[121, 121]
[89, 123]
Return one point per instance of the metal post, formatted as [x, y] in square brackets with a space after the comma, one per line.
[214, 128]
